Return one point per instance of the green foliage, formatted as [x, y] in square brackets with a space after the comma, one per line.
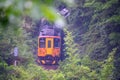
[115, 38]
[73, 67]
[31, 72]
[92, 33]
[108, 67]
[96, 4]
[5, 70]
[89, 3]
[58, 76]
[71, 47]
[35, 72]
[49, 14]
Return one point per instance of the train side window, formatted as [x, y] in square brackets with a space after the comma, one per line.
[49, 44]
[56, 42]
[42, 42]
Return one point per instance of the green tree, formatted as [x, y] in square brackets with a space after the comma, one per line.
[108, 67]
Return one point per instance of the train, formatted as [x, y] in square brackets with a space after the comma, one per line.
[50, 40]
[49, 45]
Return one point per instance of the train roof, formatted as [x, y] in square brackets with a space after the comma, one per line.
[49, 37]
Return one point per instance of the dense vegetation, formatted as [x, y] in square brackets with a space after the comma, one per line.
[92, 39]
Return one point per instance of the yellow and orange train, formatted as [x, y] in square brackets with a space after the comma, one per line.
[49, 49]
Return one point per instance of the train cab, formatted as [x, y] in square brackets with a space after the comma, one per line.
[49, 49]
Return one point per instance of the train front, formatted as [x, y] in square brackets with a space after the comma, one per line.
[49, 46]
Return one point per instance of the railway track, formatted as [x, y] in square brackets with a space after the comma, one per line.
[50, 67]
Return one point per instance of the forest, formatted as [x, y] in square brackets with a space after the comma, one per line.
[91, 39]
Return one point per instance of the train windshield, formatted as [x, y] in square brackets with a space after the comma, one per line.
[42, 42]
[56, 42]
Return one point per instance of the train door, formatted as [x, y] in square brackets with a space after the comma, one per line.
[49, 46]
